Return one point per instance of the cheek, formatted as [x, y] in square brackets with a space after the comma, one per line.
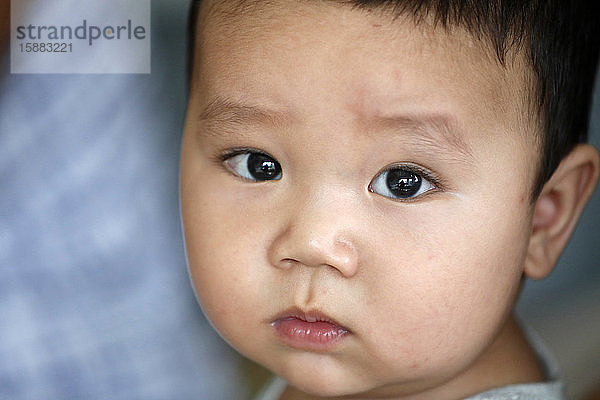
[451, 280]
[225, 260]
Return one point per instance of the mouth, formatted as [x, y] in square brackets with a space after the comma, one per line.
[310, 330]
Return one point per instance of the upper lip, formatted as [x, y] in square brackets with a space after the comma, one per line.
[312, 315]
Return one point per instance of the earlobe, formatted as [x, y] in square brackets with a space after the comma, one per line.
[558, 208]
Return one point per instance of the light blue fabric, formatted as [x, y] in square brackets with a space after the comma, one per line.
[95, 301]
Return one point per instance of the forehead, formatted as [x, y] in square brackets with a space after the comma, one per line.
[281, 53]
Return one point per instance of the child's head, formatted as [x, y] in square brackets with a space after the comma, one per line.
[365, 183]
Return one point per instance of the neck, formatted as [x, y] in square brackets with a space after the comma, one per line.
[508, 360]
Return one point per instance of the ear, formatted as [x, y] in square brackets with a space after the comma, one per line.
[558, 208]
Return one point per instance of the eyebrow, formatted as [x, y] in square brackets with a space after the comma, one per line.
[436, 132]
[224, 110]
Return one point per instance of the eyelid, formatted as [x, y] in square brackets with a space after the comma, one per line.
[227, 154]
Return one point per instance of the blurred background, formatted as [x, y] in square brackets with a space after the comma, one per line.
[95, 301]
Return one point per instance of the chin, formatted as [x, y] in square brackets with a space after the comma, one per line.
[325, 384]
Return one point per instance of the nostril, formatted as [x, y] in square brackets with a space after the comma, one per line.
[287, 263]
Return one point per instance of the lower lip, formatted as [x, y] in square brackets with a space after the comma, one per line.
[315, 336]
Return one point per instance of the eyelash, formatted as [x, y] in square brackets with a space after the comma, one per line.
[430, 176]
[226, 155]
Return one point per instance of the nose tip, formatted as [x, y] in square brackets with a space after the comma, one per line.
[338, 253]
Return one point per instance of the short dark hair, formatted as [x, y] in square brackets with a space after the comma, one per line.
[562, 41]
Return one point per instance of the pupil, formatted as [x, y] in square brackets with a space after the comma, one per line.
[403, 183]
[262, 167]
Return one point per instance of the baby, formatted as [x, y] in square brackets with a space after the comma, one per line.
[366, 184]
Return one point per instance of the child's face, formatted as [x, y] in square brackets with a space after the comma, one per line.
[386, 174]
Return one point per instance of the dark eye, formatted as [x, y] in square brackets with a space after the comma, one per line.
[254, 166]
[400, 183]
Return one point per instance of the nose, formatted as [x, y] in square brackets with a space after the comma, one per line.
[317, 235]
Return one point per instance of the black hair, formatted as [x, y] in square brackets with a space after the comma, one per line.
[560, 37]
